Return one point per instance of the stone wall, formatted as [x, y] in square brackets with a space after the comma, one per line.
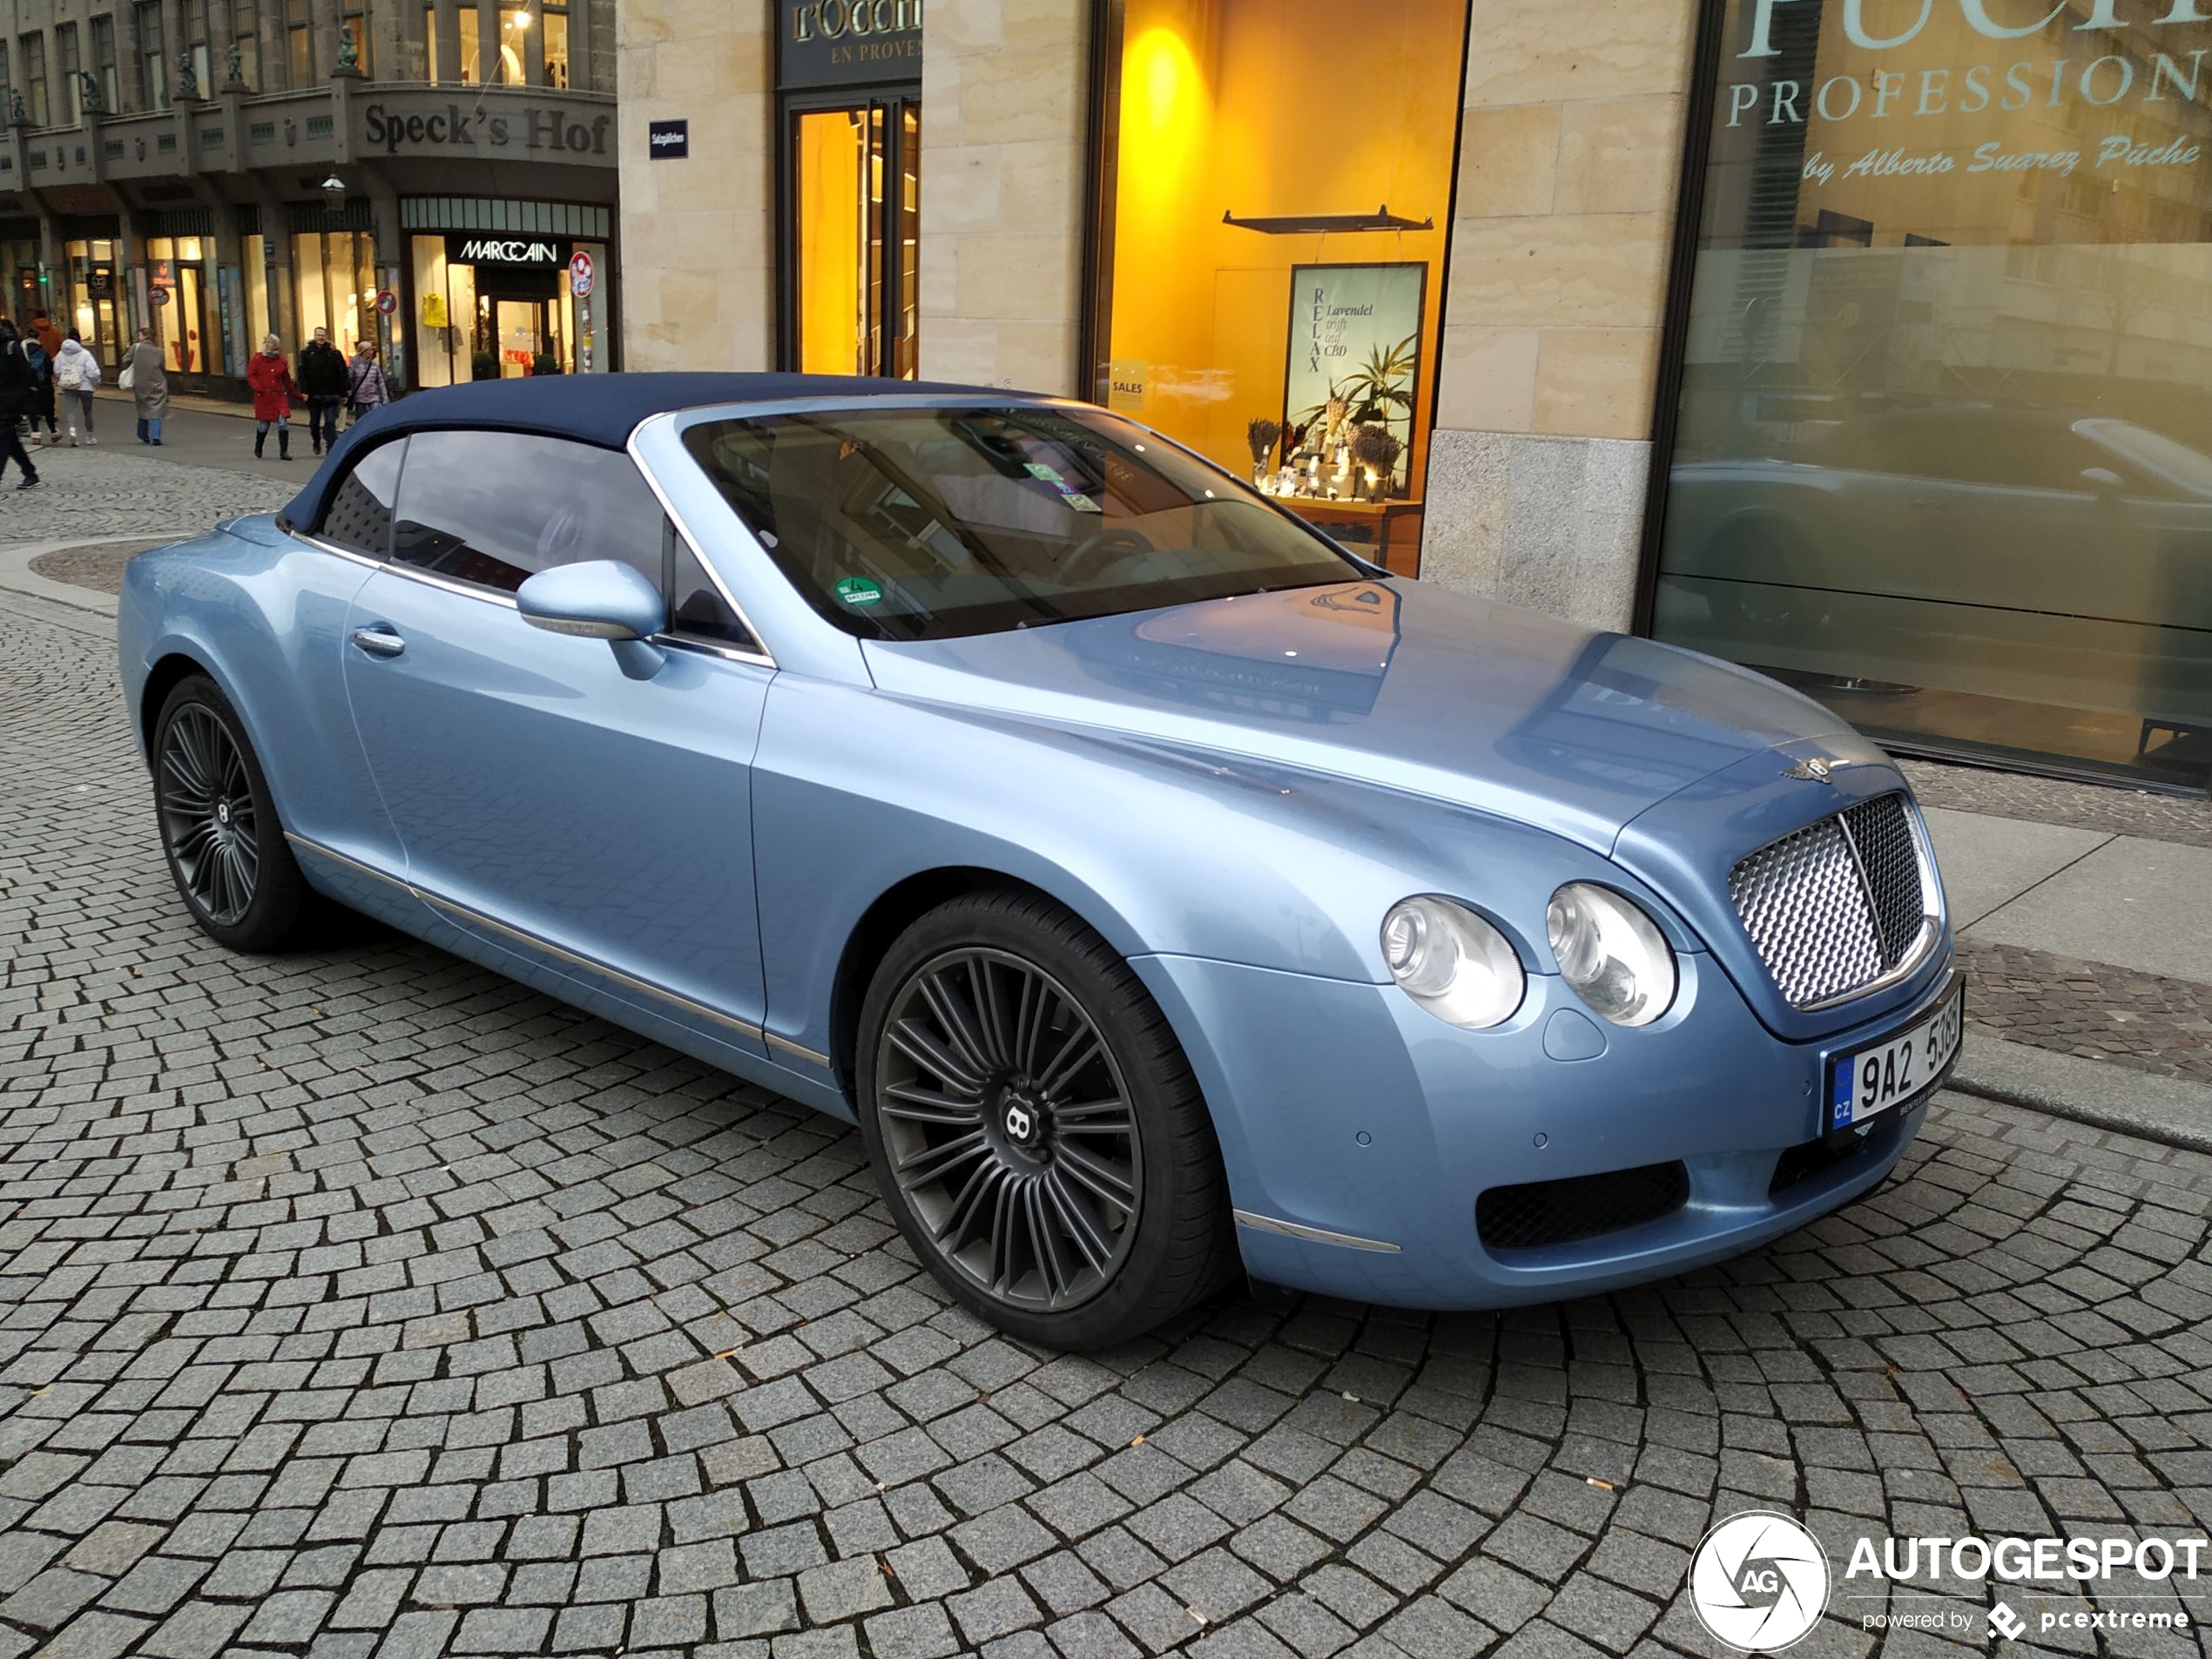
[698, 234]
[1562, 226]
[1005, 92]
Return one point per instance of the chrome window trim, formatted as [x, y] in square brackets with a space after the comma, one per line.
[469, 912]
[763, 654]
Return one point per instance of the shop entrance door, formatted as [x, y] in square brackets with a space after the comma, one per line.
[518, 321]
[851, 235]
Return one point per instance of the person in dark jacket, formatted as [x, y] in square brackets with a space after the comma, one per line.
[42, 397]
[324, 383]
[18, 390]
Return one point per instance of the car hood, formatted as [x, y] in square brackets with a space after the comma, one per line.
[1401, 685]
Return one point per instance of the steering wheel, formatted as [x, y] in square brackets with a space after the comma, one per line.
[1101, 549]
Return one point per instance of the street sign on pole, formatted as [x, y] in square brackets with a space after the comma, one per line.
[581, 274]
[388, 302]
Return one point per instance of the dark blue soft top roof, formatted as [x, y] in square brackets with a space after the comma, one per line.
[603, 409]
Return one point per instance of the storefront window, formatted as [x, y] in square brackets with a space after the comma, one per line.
[1271, 269]
[1944, 454]
[333, 287]
[91, 297]
[479, 317]
[856, 232]
[261, 318]
[187, 316]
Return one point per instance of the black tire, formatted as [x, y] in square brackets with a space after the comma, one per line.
[219, 829]
[1108, 1213]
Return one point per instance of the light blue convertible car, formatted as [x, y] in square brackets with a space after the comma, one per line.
[1158, 886]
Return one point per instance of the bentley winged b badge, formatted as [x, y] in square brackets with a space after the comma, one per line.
[1818, 769]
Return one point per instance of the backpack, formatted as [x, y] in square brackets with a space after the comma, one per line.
[69, 374]
[37, 355]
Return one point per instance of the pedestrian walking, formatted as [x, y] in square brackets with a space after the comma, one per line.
[365, 381]
[42, 399]
[270, 379]
[48, 336]
[18, 386]
[146, 379]
[323, 382]
[77, 376]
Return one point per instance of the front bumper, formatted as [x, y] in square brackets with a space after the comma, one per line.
[1358, 1131]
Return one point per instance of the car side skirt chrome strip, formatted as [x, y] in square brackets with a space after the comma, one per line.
[456, 910]
[799, 1051]
[1313, 1235]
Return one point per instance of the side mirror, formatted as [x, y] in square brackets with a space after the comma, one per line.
[2104, 483]
[599, 599]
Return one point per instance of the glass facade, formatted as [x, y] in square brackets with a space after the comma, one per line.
[1944, 443]
[1271, 280]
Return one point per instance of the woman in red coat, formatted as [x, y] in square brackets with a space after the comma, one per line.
[270, 379]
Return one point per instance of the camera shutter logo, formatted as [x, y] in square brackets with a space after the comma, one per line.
[1759, 1582]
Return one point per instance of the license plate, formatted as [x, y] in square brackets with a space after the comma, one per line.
[1868, 1082]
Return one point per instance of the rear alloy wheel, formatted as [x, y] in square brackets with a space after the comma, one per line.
[226, 849]
[1034, 1127]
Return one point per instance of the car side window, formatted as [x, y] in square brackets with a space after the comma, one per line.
[695, 607]
[493, 509]
[359, 513]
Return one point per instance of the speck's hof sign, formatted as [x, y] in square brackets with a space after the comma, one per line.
[837, 43]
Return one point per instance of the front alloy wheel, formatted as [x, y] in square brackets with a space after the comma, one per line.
[1008, 1130]
[1034, 1127]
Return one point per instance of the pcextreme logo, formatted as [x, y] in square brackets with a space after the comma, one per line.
[1759, 1582]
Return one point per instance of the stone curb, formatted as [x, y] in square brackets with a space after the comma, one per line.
[2102, 1094]
[17, 577]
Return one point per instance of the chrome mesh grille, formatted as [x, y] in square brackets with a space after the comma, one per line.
[1836, 905]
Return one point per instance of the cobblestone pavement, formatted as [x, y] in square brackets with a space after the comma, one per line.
[122, 488]
[2117, 810]
[2090, 1008]
[363, 1302]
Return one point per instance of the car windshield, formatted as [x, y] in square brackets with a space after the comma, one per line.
[926, 523]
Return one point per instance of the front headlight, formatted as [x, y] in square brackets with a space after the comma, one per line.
[1611, 954]
[1452, 962]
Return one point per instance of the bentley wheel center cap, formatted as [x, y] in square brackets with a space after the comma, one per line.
[222, 811]
[1021, 1122]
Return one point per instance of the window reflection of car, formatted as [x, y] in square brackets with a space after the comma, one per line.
[2030, 531]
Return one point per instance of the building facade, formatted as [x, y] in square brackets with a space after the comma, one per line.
[417, 175]
[1866, 342]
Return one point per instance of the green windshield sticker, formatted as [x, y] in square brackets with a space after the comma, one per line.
[1038, 469]
[1081, 502]
[859, 591]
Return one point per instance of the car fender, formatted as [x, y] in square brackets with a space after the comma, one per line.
[1161, 850]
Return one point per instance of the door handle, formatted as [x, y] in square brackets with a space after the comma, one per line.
[378, 640]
